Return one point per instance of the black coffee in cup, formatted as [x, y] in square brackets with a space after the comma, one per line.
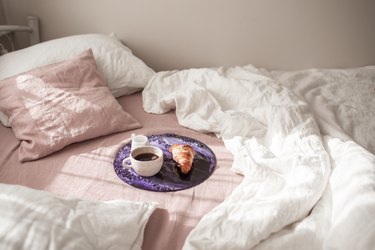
[146, 157]
[145, 161]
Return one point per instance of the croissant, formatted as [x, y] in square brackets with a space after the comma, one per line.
[183, 155]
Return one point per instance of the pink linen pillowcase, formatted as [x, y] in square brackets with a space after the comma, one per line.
[53, 106]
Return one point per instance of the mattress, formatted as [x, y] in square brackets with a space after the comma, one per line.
[85, 170]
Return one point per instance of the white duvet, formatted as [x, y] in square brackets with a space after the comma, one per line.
[301, 190]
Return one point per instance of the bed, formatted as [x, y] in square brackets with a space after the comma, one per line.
[294, 164]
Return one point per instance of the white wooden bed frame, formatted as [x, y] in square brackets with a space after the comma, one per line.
[32, 29]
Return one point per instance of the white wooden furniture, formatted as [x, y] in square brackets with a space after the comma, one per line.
[32, 28]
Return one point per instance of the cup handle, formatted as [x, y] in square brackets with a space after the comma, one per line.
[126, 163]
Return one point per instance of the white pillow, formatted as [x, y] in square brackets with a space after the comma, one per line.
[121, 70]
[32, 219]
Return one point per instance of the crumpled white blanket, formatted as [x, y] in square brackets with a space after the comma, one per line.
[343, 217]
[276, 145]
[342, 100]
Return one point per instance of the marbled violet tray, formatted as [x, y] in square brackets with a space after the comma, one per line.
[169, 177]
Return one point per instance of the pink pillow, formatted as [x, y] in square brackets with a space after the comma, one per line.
[53, 106]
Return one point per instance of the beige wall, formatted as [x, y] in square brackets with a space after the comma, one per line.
[176, 34]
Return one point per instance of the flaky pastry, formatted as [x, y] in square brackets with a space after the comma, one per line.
[183, 154]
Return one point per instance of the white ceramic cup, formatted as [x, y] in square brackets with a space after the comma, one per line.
[138, 141]
[146, 160]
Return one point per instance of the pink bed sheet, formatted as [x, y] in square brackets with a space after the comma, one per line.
[85, 170]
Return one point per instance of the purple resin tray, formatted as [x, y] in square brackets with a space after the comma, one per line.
[169, 177]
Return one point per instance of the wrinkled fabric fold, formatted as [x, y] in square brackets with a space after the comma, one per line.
[275, 141]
